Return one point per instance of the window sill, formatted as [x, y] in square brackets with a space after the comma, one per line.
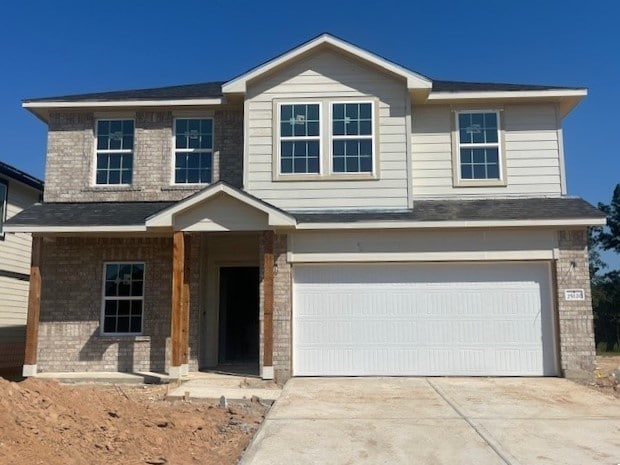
[111, 188]
[185, 187]
[327, 177]
[480, 183]
[125, 337]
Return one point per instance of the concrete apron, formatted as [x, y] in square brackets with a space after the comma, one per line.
[195, 385]
[233, 387]
[438, 421]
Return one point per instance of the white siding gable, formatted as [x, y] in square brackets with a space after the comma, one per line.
[327, 74]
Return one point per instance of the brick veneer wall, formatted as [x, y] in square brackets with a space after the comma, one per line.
[577, 349]
[282, 316]
[71, 156]
[72, 270]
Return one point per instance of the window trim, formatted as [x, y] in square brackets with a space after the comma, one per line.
[5, 204]
[456, 150]
[174, 151]
[325, 154]
[96, 152]
[103, 298]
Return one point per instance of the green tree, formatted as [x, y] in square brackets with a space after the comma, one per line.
[609, 237]
[606, 287]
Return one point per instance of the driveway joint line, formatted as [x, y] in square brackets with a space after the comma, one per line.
[479, 429]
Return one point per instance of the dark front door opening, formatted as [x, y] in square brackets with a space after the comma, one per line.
[238, 312]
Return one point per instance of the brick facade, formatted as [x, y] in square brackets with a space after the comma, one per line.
[71, 157]
[577, 350]
[69, 331]
[69, 338]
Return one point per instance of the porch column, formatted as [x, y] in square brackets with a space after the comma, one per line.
[267, 368]
[34, 309]
[179, 318]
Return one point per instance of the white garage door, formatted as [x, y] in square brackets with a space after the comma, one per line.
[423, 319]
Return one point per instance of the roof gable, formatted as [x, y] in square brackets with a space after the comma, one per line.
[413, 79]
[195, 209]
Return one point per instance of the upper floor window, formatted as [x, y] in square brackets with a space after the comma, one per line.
[300, 138]
[352, 137]
[325, 138]
[123, 298]
[114, 151]
[479, 148]
[193, 150]
[4, 190]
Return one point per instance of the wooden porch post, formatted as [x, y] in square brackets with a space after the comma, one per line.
[179, 318]
[34, 309]
[268, 299]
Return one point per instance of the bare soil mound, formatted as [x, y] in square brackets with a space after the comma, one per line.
[44, 422]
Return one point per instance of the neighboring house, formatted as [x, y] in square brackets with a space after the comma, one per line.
[18, 190]
[328, 212]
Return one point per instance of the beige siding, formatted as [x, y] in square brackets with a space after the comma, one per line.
[331, 76]
[438, 245]
[531, 144]
[13, 302]
[15, 248]
[14, 261]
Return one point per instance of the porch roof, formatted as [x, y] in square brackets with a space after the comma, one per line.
[145, 216]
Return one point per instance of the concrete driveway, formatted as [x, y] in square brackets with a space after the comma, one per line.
[430, 421]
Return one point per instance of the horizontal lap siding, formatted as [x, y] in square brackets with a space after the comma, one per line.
[328, 75]
[15, 248]
[532, 153]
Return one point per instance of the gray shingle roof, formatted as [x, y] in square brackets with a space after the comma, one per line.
[460, 86]
[136, 213]
[187, 91]
[468, 210]
[214, 90]
[87, 214]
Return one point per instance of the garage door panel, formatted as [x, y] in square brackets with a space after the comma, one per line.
[422, 319]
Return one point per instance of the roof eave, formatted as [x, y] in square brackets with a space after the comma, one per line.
[41, 109]
[567, 98]
[456, 224]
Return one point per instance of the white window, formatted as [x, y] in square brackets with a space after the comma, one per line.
[193, 151]
[300, 138]
[114, 163]
[4, 190]
[325, 138]
[478, 154]
[352, 137]
[123, 298]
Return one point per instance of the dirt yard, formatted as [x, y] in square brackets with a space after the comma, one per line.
[43, 422]
[604, 381]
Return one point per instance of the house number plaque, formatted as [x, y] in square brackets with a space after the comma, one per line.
[575, 294]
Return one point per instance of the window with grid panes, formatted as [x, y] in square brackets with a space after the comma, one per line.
[300, 138]
[123, 298]
[193, 153]
[478, 145]
[114, 163]
[352, 134]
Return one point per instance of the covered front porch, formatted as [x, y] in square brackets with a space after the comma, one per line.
[209, 264]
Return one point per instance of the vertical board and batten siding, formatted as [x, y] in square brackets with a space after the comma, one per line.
[331, 76]
[531, 144]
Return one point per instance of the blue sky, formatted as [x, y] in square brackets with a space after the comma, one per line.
[63, 47]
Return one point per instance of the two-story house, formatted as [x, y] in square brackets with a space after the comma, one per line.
[328, 212]
[18, 190]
